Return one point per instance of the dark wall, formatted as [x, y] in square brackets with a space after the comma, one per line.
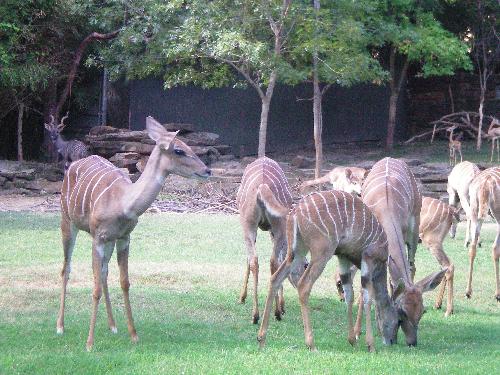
[349, 114]
[432, 98]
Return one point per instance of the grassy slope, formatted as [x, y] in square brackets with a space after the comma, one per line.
[186, 273]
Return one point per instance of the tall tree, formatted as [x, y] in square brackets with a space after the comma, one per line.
[330, 47]
[485, 49]
[410, 34]
[211, 43]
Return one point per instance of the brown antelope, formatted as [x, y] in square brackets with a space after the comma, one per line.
[484, 192]
[331, 223]
[436, 218]
[348, 179]
[459, 180]
[264, 191]
[98, 198]
[69, 150]
[391, 192]
[454, 145]
[494, 134]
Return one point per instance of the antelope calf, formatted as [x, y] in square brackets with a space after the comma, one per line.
[459, 180]
[69, 150]
[98, 198]
[390, 192]
[454, 145]
[484, 192]
[348, 179]
[263, 199]
[331, 223]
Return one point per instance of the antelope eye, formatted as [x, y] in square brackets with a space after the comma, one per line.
[179, 152]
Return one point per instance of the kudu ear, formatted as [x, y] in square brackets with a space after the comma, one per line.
[365, 175]
[430, 282]
[171, 143]
[155, 129]
[348, 174]
[399, 289]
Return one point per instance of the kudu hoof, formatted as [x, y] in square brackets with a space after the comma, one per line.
[134, 339]
[497, 297]
[437, 306]
[277, 315]
[255, 319]
[371, 348]
[448, 313]
[262, 341]
[468, 294]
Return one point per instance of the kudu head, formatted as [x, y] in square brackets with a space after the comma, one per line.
[175, 156]
[409, 303]
[55, 129]
[352, 182]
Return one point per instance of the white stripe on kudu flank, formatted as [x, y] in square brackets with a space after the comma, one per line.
[106, 189]
[350, 223]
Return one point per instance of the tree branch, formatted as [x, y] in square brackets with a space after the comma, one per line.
[74, 66]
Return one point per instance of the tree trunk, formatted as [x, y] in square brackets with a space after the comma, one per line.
[20, 132]
[317, 110]
[264, 115]
[481, 115]
[318, 125]
[391, 124]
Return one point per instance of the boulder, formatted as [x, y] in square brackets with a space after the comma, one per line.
[200, 139]
[181, 127]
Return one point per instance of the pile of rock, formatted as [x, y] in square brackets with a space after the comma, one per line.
[131, 149]
[29, 178]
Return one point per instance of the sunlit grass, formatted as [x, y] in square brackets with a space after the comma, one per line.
[186, 273]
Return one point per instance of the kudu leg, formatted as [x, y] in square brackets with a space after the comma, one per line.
[69, 233]
[345, 277]
[104, 278]
[250, 236]
[276, 282]
[122, 251]
[98, 249]
[475, 230]
[279, 302]
[496, 256]
[437, 251]
[306, 282]
[413, 243]
[359, 316]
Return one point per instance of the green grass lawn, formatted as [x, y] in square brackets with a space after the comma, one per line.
[186, 273]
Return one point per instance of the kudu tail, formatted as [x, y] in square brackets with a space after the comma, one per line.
[267, 200]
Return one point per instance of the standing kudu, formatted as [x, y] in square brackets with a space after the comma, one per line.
[459, 180]
[263, 199]
[454, 145]
[100, 199]
[484, 192]
[436, 218]
[331, 223]
[391, 193]
[69, 150]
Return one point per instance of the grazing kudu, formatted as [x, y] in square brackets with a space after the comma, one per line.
[436, 218]
[348, 179]
[263, 194]
[69, 150]
[391, 193]
[331, 223]
[459, 180]
[484, 192]
[98, 198]
[454, 146]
